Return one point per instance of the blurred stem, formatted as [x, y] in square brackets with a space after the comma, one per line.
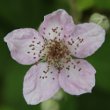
[59, 95]
[73, 10]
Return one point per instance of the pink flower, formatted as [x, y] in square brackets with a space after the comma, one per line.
[62, 44]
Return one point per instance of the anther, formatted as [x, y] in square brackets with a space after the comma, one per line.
[58, 34]
[38, 42]
[54, 30]
[68, 76]
[68, 67]
[77, 45]
[33, 41]
[28, 52]
[44, 71]
[80, 69]
[31, 45]
[78, 38]
[45, 76]
[78, 62]
[34, 53]
[33, 48]
[69, 43]
[61, 28]
[65, 36]
[43, 37]
[43, 32]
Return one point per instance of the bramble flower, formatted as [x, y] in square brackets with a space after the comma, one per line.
[61, 45]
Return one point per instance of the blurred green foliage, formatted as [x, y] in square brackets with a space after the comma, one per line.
[29, 13]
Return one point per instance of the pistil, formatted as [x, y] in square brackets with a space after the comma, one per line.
[56, 53]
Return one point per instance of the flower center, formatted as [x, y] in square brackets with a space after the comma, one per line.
[56, 53]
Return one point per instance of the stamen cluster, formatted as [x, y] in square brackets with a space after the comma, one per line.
[56, 53]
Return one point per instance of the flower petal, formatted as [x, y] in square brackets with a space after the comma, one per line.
[57, 25]
[40, 83]
[24, 45]
[77, 77]
[86, 39]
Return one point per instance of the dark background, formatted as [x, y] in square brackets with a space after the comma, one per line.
[29, 13]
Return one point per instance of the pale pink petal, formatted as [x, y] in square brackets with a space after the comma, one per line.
[58, 24]
[40, 83]
[77, 77]
[24, 45]
[86, 39]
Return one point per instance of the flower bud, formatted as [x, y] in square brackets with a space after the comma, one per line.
[50, 105]
[100, 20]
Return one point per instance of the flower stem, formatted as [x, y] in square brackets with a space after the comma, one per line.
[73, 10]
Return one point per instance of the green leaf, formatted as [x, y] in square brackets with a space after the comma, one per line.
[5, 108]
[101, 61]
[13, 86]
[84, 4]
[103, 4]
